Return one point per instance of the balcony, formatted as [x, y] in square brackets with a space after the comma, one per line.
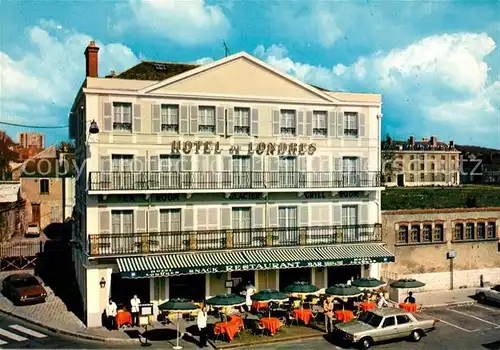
[120, 244]
[225, 180]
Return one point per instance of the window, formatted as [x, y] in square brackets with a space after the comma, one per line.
[122, 221]
[170, 118]
[389, 322]
[402, 319]
[122, 117]
[241, 220]
[170, 220]
[469, 231]
[422, 166]
[288, 122]
[427, 233]
[206, 120]
[122, 162]
[287, 171]
[350, 166]
[459, 232]
[44, 186]
[350, 223]
[351, 124]
[433, 166]
[438, 233]
[403, 234]
[481, 230]
[422, 177]
[415, 234]
[412, 178]
[319, 123]
[241, 173]
[54, 214]
[412, 166]
[443, 178]
[242, 121]
[433, 178]
[491, 231]
[287, 220]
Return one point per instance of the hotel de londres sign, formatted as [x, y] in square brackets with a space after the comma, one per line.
[270, 148]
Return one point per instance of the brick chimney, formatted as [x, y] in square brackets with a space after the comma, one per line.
[434, 141]
[452, 144]
[412, 140]
[92, 60]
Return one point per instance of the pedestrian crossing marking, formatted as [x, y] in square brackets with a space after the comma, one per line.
[27, 331]
[11, 335]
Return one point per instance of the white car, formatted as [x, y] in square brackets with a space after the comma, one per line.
[33, 230]
[488, 293]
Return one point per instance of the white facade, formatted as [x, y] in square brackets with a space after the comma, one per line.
[304, 172]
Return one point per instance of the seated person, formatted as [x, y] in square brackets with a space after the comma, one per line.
[381, 301]
[410, 299]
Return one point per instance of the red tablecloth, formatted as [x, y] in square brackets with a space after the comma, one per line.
[123, 318]
[302, 314]
[228, 328]
[367, 305]
[270, 323]
[408, 307]
[237, 320]
[260, 305]
[344, 315]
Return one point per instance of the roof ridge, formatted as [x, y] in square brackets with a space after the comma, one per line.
[171, 62]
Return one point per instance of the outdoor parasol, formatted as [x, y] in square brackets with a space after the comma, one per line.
[178, 306]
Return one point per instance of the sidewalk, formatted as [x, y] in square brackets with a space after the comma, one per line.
[445, 297]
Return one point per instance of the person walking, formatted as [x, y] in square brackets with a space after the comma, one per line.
[134, 309]
[250, 290]
[328, 314]
[111, 310]
[202, 326]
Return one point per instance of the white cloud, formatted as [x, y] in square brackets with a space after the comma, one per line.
[204, 60]
[184, 22]
[441, 81]
[43, 80]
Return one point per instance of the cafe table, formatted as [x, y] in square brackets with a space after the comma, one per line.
[272, 324]
[344, 315]
[408, 307]
[228, 328]
[237, 320]
[367, 305]
[123, 318]
[303, 315]
[260, 305]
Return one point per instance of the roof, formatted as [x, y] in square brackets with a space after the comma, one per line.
[155, 70]
[9, 192]
[389, 311]
[418, 145]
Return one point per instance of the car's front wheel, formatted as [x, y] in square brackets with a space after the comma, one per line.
[481, 298]
[365, 343]
[416, 336]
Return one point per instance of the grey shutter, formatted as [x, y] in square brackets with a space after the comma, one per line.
[220, 121]
[107, 123]
[316, 164]
[105, 163]
[363, 172]
[300, 123]
[361, 124]
[153, 221]
[337, 163]
[140, 220]
[337, 215]
[302, 163]
[186, 174]
[304, 215]
[137, 118]
[188, 219]
[186, 163]
[230, 121]
[104, 221]
[332, 123]
[273, 163]
[258, 217]
[193, 127]
[364, 164]
[257, 171]
[156, 119]
[340, 124]
[363, 213]
[276, 122]
[153, 163]
[183, 120]
[309, 123]
[225, 217]
[254, 127]
[227, 165]
[139, 164]
[272, 216]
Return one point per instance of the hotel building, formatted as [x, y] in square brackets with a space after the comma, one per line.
[202, 178]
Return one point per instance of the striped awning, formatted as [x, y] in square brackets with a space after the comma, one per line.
[356, 254]
[256, 259]
[178, 264]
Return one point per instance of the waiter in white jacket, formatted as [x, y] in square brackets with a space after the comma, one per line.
[134, 309]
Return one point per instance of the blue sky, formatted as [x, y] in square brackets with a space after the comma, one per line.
[435, 62]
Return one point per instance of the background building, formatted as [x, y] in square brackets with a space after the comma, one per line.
[204, 177]
[428, 162]
[31, 139]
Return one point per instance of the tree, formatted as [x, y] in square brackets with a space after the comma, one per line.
[65, 147]
[7, 155]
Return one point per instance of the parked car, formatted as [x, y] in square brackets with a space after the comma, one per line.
[23, 288]
[33, 230]
[488, 293]
[381, 325]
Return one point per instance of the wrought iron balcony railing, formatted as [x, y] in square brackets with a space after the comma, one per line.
[204, 180]
[171, 242]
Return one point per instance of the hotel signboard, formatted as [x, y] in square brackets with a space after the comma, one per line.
[260, 148]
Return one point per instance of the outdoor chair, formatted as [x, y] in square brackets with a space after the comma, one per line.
[259, 329]
[282, 321]
[292, 319]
